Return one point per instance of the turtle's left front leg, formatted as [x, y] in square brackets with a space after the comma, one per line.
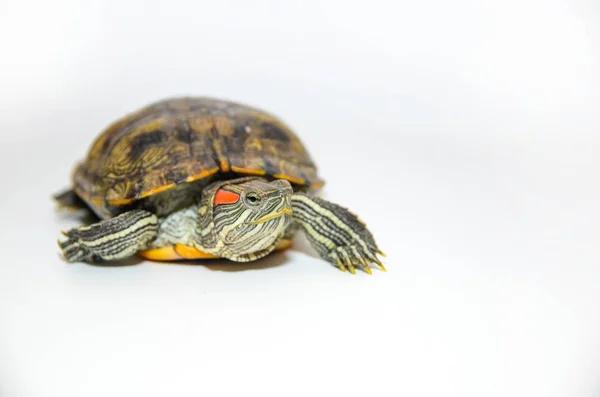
[335, 233]
[111, 239]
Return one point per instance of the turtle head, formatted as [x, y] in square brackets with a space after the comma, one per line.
[249, 216]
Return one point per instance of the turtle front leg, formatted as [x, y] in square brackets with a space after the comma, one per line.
[111, 239]
[335, 233]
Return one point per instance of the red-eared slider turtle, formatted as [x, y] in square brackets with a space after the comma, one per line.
[188, 178]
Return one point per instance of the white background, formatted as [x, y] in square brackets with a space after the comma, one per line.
[465, 133]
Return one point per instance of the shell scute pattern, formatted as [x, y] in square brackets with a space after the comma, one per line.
[185, 139]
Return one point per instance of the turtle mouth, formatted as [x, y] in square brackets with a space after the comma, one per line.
[273, 215]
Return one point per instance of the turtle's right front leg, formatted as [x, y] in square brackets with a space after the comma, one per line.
[111, 239]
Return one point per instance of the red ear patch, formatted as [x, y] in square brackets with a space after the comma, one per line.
[225, 197]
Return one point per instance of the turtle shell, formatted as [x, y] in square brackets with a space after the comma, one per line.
[182, 140]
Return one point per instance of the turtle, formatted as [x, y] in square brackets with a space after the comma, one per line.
[199, 178]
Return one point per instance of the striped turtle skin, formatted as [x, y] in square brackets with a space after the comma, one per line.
[203, 178]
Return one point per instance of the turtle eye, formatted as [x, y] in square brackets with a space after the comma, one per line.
[252, 198]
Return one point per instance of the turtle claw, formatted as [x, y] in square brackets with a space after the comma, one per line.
[373, 258]
[349, 258]
[337, 261]
[61, 254]
[378, 262]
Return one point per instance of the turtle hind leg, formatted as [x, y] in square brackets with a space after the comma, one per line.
[70, 200]
[112, 239]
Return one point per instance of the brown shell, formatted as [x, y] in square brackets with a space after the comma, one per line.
[188, 139]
